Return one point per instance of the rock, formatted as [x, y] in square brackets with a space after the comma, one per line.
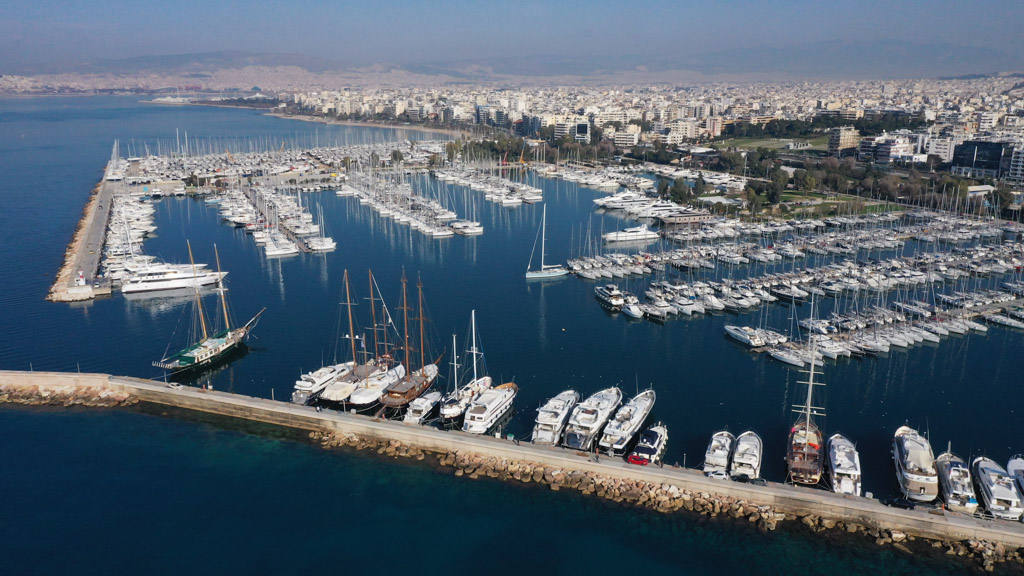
[459, 472]
[897, 535]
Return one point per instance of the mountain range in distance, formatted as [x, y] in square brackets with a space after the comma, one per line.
[824, 61]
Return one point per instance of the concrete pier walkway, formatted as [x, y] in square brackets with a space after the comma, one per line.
[932, 524]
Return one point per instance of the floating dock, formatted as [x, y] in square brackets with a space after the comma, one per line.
[935, 524]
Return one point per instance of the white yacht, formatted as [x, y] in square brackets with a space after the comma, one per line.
[165, 277]
[746, 457]
[488, 408]
[421, 408]
[915, 465]
[844, 465]
[639, 233]
[955, 479]
[997, 489]
[589, 417]
[610, 296]
[458, 400]
[552, 417]
[311, 384]
[746, 335]
[368, 392]
[1016, 469]
[650, 449]
[716, 459]
[627, 422]
[631, 306]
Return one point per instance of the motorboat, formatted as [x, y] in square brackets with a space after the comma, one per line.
[956, 483]
[589, 417]
[639, 233]
[650, 448]
[631, 306]
[915, 465]
[844, 466]
[747, 455]
[609, 296]
[421, 408]
[716, 458]
[623, 427]
[745, 335]
[1016, 469]
[552, 418]
[489, 408]
[997, 489]
[311, 384]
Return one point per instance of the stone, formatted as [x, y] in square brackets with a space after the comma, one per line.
[897, 535]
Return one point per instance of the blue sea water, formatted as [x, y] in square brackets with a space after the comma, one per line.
[187, 495]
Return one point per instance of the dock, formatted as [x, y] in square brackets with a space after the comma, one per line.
[934, 524]
[76, 279]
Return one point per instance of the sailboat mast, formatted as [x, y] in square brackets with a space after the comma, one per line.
[455, 364]
[473, 318]
[405, 322]
[220, 286]
[810, 383]
[373, 317]
[351, 331]
[199, 301]
[419, 288]
[543, 233]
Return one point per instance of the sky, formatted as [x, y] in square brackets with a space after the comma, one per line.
[44, 33]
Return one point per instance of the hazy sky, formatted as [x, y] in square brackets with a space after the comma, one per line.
[42, 32]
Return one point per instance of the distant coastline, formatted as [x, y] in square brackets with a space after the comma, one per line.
[418, 127]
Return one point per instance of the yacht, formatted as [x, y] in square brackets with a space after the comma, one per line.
[421, 408]
[716, 458]
[746, 335]
[163, 277]
[997, 489]
[915, 465]
[552, 417]
[311, 384]
[804, 458]
[746, 457]
[623, 427]
[1016, 469]
[631, 306]
[589, 416]
[344, 385]
[609, 296]
[844, 465]
[488, 408]
[650, 448]
[458, 400]
[955, 480]
[368, 392]
[639, 233]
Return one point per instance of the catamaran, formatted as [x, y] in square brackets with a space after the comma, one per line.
[209, 349]
[545, 270]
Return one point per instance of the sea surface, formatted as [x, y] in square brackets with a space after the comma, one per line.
[139, 490]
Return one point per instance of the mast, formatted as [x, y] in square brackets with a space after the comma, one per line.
[419, 289]
[220, 287]
[351, 331]
[373, 316]
[199, 301]
[455, 364]
[472, 316]
[405, 322]
[543, 233]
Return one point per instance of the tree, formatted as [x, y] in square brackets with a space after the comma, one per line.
[663, 187]
[754, 201]
[679, 192]
[451, 150]
[699, 186]
[434, 160]
[396, 156]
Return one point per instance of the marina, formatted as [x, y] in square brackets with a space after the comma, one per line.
[300, 293]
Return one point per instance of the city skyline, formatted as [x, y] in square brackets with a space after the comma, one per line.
[740, 40]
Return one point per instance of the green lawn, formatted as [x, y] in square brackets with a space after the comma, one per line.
[818, 143]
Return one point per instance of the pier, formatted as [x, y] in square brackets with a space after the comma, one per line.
[933, 524]
[76, 279]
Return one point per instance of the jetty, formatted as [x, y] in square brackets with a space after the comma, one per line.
[76, 280]
[665, 486]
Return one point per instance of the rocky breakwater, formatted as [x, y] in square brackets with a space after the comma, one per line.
[669, 498]
[63, 395]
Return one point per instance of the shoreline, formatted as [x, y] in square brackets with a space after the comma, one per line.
[455, 134]
[666, 490]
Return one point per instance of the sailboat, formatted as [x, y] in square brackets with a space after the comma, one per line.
[545, 270]
[415, 383]
[458, 400]
[345, 383]
[209, 349]
[804, 453]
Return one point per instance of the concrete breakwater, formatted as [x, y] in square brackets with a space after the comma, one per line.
[83, 253]
[667, 490]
